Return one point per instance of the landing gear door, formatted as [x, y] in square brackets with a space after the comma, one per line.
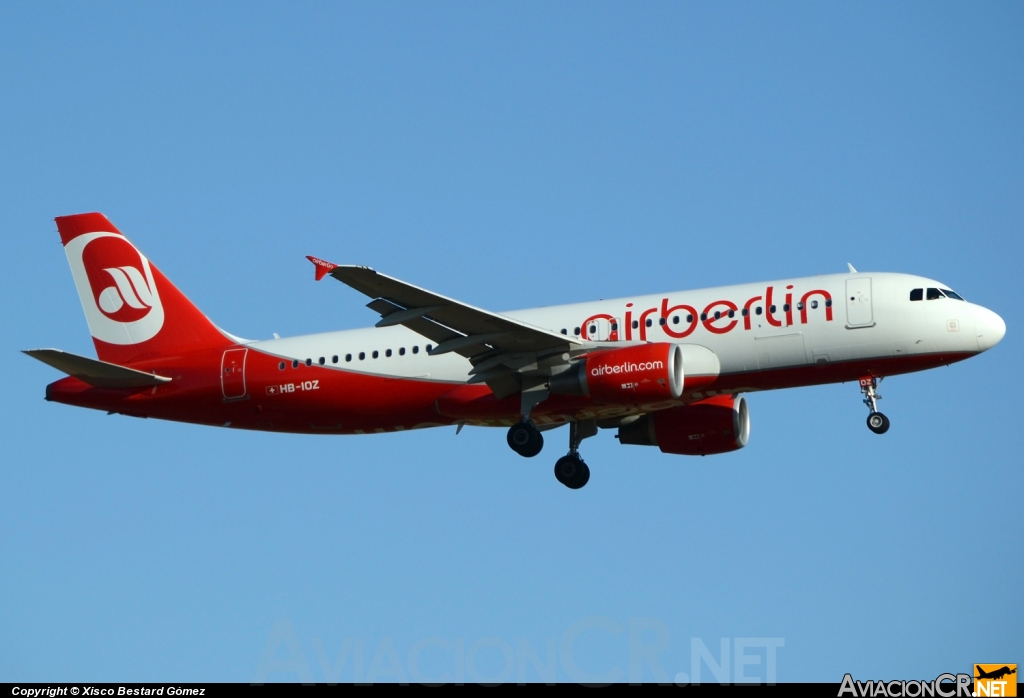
[858, 303]
[232, 374]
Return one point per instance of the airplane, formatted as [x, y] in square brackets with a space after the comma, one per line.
[666, 370]
[995, 674]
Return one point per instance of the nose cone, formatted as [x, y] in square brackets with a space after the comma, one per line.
[990, 328]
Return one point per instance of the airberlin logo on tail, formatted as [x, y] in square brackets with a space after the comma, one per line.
[117, 289]
[131, 290]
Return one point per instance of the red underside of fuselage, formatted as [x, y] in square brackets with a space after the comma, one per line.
[336, 401]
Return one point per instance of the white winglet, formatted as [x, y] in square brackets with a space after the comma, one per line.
[852, 270]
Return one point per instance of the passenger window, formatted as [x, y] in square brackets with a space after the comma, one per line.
[703, 316]
[675, 319]
[785, 308]
[718, 314]
[950, 294]
[771, 309]
[295, 363]
[309, 362]
[362, 355]
[565, 331]
[636, 323]
[934, 294]
[334, 359]
[732, 313]
[576, 331]
[387, 353]
[348, 357]
[648, 322]
[376, 353]
[662, 321]
[401, 351]
[592, 329]
[814, 304]
[745, 312]
[800, 305]
[757, 310]
[828, 303]
[917, 294]
[416, 349]
[689, 317]
[429, 347]
[615, 327]
[280, 366]
[322, 361]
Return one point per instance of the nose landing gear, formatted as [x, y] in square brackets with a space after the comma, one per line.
[877, 422]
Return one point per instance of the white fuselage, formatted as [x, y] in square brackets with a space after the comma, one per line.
[872, 316]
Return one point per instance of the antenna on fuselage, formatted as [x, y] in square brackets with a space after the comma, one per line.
[852, 270]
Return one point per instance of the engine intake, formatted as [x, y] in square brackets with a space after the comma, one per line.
[715, 425]
[627, 376]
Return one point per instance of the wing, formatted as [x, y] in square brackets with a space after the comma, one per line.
[502, 350]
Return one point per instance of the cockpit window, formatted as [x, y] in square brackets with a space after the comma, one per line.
[934, 294]
[917, 294]
[951, 294]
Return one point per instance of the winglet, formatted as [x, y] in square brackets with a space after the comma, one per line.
[852, 270]
[322, 268]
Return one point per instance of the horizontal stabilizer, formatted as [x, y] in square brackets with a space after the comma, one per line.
[97, 373]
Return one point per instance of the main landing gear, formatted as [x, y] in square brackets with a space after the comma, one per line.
[525, 439]
[570, 469]
[877, 422]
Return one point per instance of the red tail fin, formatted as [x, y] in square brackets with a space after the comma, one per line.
[133, 311]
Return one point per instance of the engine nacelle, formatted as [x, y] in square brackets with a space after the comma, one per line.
[627, 376]
[715, 425]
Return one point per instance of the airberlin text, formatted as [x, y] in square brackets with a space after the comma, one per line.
[628, 367]
[944, 686]
[717, 317]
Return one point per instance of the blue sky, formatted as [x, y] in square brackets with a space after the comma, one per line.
[511, 155]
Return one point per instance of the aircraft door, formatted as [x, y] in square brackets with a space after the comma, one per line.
[858, 303]
[232, 374]
[600, 330]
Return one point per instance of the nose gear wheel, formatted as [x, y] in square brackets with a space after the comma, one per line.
[878, 422]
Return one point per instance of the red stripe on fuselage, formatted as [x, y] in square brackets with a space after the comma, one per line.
[328, 399]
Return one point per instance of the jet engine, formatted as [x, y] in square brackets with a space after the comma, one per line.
[639, 374]
[715, 425]
[628, 376]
